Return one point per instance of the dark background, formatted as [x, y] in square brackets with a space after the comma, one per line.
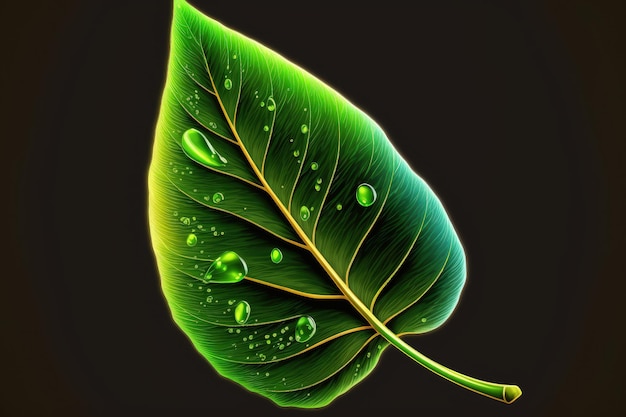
[513, 113]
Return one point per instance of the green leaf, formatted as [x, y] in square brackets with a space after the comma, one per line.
[294, 243]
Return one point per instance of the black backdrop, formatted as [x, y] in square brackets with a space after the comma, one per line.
[513, 113]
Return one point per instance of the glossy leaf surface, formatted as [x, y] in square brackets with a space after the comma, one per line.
[286, 227]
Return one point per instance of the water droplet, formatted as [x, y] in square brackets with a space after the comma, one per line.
[319, 181]
[267, 374]
[304, 128]
[317, 187]
[198, 148]
[296, 153]
[266, 128]
[262, 104]
[228, 84]
[185, 220]
[213, 125]
[218, 198]
[242, 312]
[339, 207]
[424, 319]
[365, 195]
[305, 213]
[227, 268]
[234, 56]
[314, 166]
[271, 104]
[276, 255]
[192, 239]
[305, 329]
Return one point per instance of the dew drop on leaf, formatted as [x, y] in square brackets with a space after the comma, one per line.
[242, 312]
[304, 128]
[317, 187]
[304, 213]
[266, 128]
[314, 166]
[185, 220]
[365, 195]
[192, 239]
[339, 207]
[227, 268]
[198, 148]
[218, 198]
[296, 153]
[228, 84]
[276, 255]
[305, 329]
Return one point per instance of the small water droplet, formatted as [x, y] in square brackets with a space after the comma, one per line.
[192, 239]
[304, 213]
[339, 207]
[314, 166]
[276, 255]
[198, 148]
[262, 104]
[296, 153]
[266, 128]
[424, 319]
[304, 128]
[242, 312]
[305, 329]
[228, 84]
[317, 187]
[227, 268]
[368, 354]
[267, 374]
[365, 195]
[218, 198]
[213, 125]
[234, 56]
[185, 220]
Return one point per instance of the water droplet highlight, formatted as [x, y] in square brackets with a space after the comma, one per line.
[276, 255]
[339, 207]
[304, 213]
[192, 240]
[198, 148]
[227, 268]
[218, 198]
[365, 195]
[304, 128]
[314, 166]
[242, 312]
[305, 329]
[228, 84]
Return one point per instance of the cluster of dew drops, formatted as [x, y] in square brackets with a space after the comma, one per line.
[229, 267]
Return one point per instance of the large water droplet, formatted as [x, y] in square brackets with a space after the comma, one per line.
[242, 312]
[227, 268]
[365, 195]
[305, 329]
[305, 213]
[192, 239]
[276, 255]
[314, 166]
[198, 148]
[218, 198]
[228, 84]
[304, 128]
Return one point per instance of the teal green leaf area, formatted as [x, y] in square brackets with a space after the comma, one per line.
[294, 244]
